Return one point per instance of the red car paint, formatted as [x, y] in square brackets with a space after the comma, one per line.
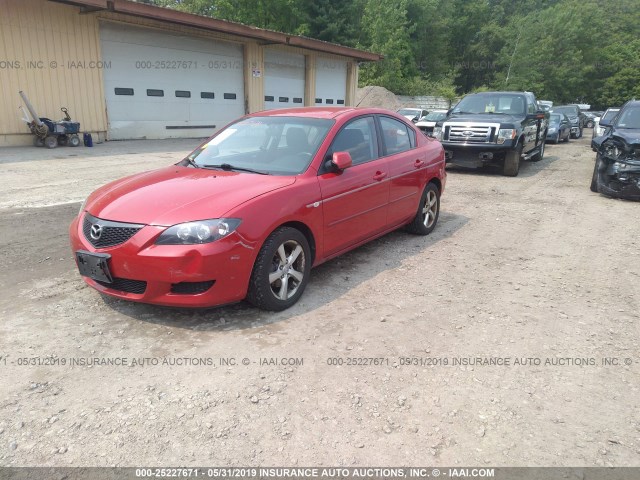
[337, 210]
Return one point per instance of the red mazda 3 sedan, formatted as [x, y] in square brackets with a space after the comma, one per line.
[251, 210]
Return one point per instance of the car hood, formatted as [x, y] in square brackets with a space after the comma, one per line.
[179, 194]
[483, 118]
[631, 136]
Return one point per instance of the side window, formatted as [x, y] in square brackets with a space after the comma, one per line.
[532, 106]
[395, 135]
[359, 139]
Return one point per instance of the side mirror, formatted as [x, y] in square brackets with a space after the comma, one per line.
[341, 161]
[606, 123]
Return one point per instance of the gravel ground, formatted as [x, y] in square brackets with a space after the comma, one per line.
[534, 268]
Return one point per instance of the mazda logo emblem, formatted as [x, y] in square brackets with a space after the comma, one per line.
[467, 133]
[96, 231]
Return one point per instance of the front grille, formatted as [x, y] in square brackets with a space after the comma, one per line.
[111, 233]
[126, 285]
[465, 133]
[191, 288]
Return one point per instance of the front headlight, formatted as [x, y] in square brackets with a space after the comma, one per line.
[437, 133]
[506, 134]
[552, 129]
[203, 231]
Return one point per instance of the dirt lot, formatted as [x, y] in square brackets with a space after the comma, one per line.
[535, 268]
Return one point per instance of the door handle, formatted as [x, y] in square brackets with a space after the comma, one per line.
[379, 175]
[419, 163]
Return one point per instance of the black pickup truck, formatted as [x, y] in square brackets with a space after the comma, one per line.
[494, 128]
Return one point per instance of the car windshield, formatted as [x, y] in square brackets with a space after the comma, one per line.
[492, 103]
[629, 118]
[409, 111]
[434, 117]
[568, 111]
[555, 118]
[271, 145]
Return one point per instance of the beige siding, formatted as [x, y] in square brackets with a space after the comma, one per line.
[253, 84]
[54, 53]
[352, 83]
[168, 27]
[310, 80]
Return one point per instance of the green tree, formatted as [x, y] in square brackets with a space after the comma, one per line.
[386, 30]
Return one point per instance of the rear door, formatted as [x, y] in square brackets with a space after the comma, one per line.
[354, 201]
[407, 169]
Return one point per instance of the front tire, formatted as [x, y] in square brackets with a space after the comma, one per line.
[51, 141]
[281, 271]
[594, 178]
[512, 162]
[428, 211]
[74, 141]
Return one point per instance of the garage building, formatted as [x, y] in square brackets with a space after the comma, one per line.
[128, 70]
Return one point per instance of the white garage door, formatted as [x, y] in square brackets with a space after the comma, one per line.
[331, 82]
[161, 85]
[283, 80]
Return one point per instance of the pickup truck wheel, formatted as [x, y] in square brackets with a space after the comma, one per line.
[428, 212]
[512, 162]
[281, 271]
[594, 177]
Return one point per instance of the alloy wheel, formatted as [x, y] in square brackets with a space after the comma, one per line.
[430, 209]
[287, 273]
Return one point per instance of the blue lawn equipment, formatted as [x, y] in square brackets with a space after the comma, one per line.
[50, 133]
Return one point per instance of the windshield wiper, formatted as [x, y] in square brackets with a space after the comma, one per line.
[229, 167]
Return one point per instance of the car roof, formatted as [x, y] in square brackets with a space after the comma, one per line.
[319, 112]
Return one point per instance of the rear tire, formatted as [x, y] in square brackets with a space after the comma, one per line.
[512, 162]
[428, 212]
[281, 271]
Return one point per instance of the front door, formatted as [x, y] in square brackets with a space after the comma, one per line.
[355, 201]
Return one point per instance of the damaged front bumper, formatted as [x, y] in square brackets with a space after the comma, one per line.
[619, 177]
